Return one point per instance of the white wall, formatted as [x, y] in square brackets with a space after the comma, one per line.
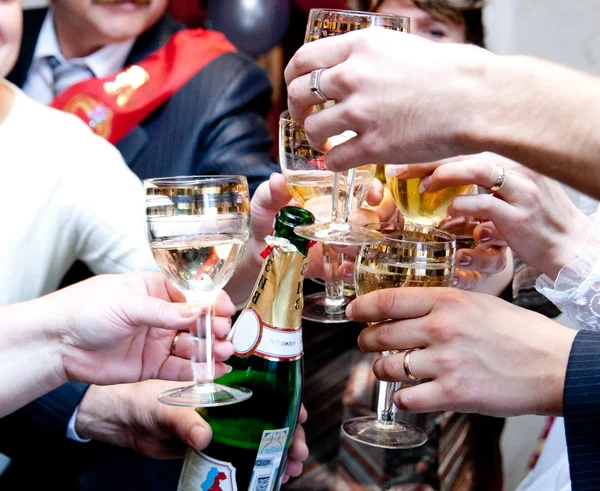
[29, 4]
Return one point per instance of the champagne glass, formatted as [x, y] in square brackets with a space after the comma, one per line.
[410, 255]
[198, 227]
[337, 230]
[425, 208]
[311, 184]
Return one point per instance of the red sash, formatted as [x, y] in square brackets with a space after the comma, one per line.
[112, 106]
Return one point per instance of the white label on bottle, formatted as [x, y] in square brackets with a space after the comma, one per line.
[246, 332]
[250, 335]
[203, 473]
[280, 344]
[268, 460]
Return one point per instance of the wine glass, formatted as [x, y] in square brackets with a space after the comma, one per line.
[425, 208]
[337, 230]
[198, 227]
[311, 184]
[410, 255]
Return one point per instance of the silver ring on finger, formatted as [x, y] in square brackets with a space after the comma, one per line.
[315, 84]
[500, 180]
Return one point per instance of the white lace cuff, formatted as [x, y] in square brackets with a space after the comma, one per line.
[576, 291]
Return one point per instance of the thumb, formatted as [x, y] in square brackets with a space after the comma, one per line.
[191, 429]
[149, 311]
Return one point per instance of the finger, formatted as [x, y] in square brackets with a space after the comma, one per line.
[409, 171]
[424, 398]
[393, 336]
[329, 122]
[486, 233]
[489, 260]
[313, 55]
[375, 193]
[353, 153]
[460, 226]
[293, 468]
[176, 368]
[188, 427]
[224, 307]
[221, 326]
[393, 303]
[298, 449]
[478, 171]
[303, 416]
[467, 280]
[484, 207]
[271, 196]
[183, 347]
[363, 216]
[142, 310]
[390, 368]
[346, 272]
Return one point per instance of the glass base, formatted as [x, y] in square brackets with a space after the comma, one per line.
[316, 309]
[205, 395]
[395, 434]
[339, 233]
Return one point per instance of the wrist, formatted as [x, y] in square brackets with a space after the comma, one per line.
[95, 413]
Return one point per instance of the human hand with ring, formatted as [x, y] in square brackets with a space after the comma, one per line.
[528, 212]
[476, 352]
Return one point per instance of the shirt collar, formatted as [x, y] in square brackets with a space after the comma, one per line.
[104, 62]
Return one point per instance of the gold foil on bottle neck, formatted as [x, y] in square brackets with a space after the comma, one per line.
[277, 295]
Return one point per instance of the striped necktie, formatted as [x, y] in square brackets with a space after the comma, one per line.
[66, 74]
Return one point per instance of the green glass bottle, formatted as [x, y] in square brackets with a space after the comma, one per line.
[250, 440]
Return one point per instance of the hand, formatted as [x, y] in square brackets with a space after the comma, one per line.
[377, 78]
[477, 352]
[531, 213]
[129, 415]
[104, 327]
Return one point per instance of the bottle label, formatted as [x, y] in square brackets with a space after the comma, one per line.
[268, 460]
[203, 473]
[251, 336]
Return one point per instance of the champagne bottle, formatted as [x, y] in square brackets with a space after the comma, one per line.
[250, 440]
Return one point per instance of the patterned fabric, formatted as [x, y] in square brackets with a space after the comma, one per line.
[66, 74]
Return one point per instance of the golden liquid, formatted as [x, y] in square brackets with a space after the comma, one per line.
[202, 263]
[373, 276]
[313, 189]
[424, 208]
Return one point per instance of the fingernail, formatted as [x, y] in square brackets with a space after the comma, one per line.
[455, 282]
[228, 368]
[197, 437]
[347, 274]
[425, 184]
[485, 234]
[349, 311]
[465, 260]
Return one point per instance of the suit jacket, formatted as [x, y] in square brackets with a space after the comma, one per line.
[214, 124]
[581, 409]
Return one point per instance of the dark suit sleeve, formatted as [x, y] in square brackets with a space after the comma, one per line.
[581, 408]
[50, 413]
[236, 138]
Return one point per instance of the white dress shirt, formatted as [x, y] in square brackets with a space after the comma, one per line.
[104, 62]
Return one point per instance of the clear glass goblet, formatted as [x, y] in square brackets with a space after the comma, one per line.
[198, 227]
[410, 255]
[337, 230]
[311, 184]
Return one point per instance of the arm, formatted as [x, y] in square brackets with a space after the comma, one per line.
[98, 331]
[538, 113]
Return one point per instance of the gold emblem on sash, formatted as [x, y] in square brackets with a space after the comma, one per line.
[97, 115]
[126, 83]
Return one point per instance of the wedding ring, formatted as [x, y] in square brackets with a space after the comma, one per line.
[174, 343]
[315, 84]
[500, 181]
[406, 365]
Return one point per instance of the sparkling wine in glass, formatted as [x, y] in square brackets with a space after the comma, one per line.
[198, 227]
[425, 208]
[411, 255]
[310, 182]
[337, 230]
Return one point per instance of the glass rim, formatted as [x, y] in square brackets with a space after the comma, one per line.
[447, 237]
[361, 13]
[196, 180]
[285, 116]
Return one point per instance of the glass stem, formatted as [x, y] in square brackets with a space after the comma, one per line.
[343, 194]
[334, 286]
[203, 346]
[386, 409]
